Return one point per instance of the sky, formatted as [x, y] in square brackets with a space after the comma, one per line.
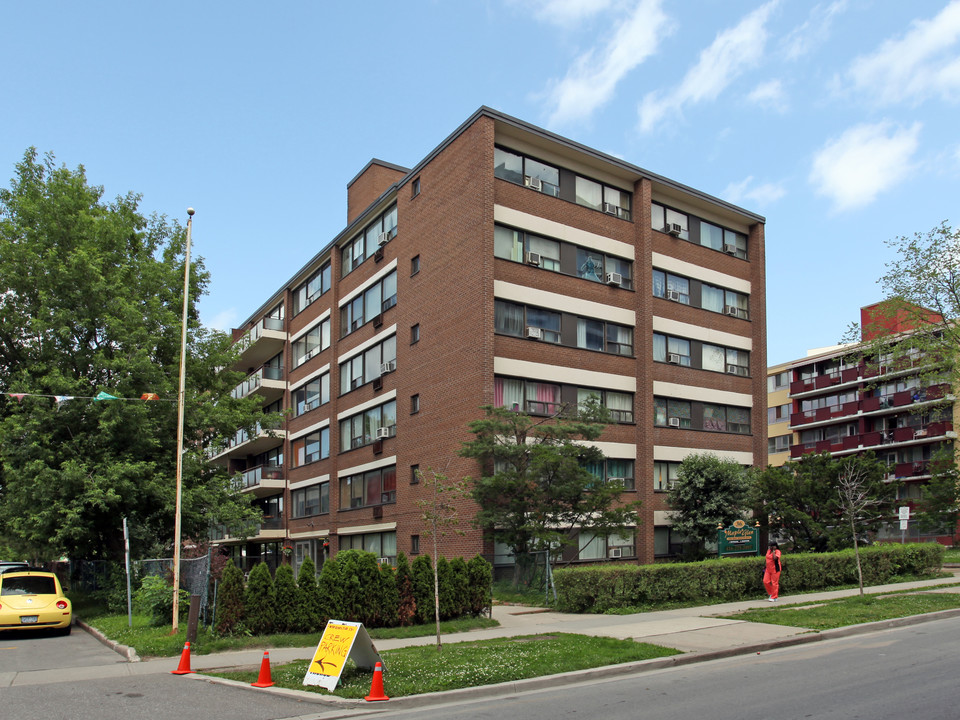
[837, 121]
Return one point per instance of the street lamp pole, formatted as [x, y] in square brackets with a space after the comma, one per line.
[180, 399]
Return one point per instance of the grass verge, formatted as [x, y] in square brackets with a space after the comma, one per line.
[851, 611]
[416, 670]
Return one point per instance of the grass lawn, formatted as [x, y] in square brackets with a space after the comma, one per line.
[416, 670]
[851, 611]
[952, 555]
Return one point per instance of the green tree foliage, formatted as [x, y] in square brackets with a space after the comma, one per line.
[801, 500]
[330, 588]
[388, 598]
[155, 598]
[939, 506]
[537, 489]
[480, 573]
[459, 587]
[259, 601]
[308, 611]
[230, 607]
[422, 571]
[406, 602]
[90, 302]
[709, 491]
[285, 610]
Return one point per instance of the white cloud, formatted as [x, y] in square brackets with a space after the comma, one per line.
[853, 169]
[814, 32]
[568, 12]
[745, 192]
[923, 63]
[592, 79]
[733, 51]
[769, 95]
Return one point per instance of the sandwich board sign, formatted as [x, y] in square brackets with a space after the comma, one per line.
[340, 640]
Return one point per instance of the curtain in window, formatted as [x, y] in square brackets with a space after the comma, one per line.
[621, 402]
[508, 318]
[371, 488]
[737, 300]
[388, 542]
[714, 418]
[739, 419]
[371, 364]
[543, 397]
[589, 193]
[589, 334]
[680, 285]
[549, 251]
[713, 357]
[681, 348]
[659, 283]
[659, 411]
[595, 469]
[711, 298]
[508, 393]
[659, 347]
[679, 409]
[591, 547]
[711, 236]
[507, 244]
[621, 338]
[738, 357]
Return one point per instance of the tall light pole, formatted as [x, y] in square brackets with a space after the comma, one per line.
[180, 398]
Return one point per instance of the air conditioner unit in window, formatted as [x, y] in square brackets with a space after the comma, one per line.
[736, 370]
[673, 229]
[673, 358]
[532, 182]
[377, 320]
[383, 238]
[673, 422]
[534, 333]
[383, 561]
[614, 278]
[730, 249]
[610, 208]
[388, 367]
[731, 310]
[614, 552]
[673, 295]
[385, 432]
[533, 258]
[620, 480]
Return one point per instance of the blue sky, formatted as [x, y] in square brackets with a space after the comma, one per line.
[837, 121]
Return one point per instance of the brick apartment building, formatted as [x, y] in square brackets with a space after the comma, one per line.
[833, 401]
[509, 266]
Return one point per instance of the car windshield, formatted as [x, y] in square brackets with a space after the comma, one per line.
[28, 585]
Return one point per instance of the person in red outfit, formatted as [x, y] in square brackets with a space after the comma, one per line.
[771, 573]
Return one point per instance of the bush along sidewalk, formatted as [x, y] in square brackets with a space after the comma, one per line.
[599, 588]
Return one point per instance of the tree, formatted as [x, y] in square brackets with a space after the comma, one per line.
[285, 608]
[308, 609]
[230, 610]
[709, 491]
[857, 501]
[259, 601]
[90, 314]
[537, 488]
[800, 501]
[939, 506]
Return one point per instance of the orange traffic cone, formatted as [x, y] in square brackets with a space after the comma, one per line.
[184, 667]
[376, 686]
[264, 680]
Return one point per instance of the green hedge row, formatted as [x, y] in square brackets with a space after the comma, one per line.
[598, 588]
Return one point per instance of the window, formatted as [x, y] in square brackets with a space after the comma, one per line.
[669, 221]
[368, 365]
[619, 404]
[365, 244]
[613, 469]
[374, 300]
[664, 475]
[671, 413]
[414, 404]
[779, 444]
[383, 545]
[513, 319]
[414, 474]
[310, 448]
[415, 187]
[675, 351]
[778, 414]
[374, 487]
[312, 395]
[526, 171]
[535, 398]
[414, 544]
[312, 500]
[686, 291]
[604, 337]
[736, 304]
[671, 287]
[312, 342]
[415, 334]
[778, 381]
[590, 546]
[361, 429]
[315, 286]
[414, 265]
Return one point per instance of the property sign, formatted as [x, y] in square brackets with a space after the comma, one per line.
[738, 539]
[340, 640]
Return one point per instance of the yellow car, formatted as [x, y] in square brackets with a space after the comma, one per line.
[33, 599]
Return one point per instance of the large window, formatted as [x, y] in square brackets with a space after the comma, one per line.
[711, 417]
[366, 305]
[530, 396]
[779, 381]
[312, 500]
[673, 350]
[312, 395]
[315, 340]
[664, 475]
[612, 469]
[310, 448]
[672, 413]
[365, 244]
[700, 294]
[687, 227]
[362, 429]
[671, 287]
[779, 444]
[604, 336]
[382, 544]
[618, 404]
[523, 170]
[315, 286]
[374, 487]
[369, 365]
[525, 321]
[681, 351]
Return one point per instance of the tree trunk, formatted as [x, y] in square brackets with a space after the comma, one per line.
[436, 592]
[856, 552]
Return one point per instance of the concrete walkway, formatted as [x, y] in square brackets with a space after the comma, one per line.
[697, 631]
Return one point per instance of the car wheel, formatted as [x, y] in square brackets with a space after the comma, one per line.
[65, 631]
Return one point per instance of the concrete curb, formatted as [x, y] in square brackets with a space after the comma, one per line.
[610, 671]
[129, 653]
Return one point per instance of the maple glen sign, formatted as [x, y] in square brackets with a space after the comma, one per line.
[738, 539]
[340, 640]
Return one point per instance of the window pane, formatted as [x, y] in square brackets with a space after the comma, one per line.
[714, 418]
[711, 298]
[548, 176]
[507, 165]
[659, 347]
[711, 236]
[589, 334]
[507, 392]
[659, 283]
[713, 357]
[549, 251]
[589, 265]
[508, 318]
[507, 244]
[589, 193]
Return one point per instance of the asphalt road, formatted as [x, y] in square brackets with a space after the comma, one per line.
[26, 650]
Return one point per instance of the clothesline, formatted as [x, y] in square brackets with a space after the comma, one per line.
[101, 396]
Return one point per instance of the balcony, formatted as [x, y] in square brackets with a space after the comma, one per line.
[267, 382]
[263, 480]
[261, 342]
[254, 442]
[270, 528]
[911, 469]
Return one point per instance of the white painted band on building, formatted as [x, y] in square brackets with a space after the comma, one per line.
[300, 333]
[681, 267]
[704, 334]
[363, 529]
[565, 375]
[378, 338]
[693, 392]
[379, 400]
[310, 481]
[562, 303]
[559, 231]
[668, 453]
[377, 277]
[310, 535]
[375, 465]
[294, 434]
[300, 383]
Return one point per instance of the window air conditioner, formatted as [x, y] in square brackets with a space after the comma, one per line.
[384, 432]
[614, 552]
[673, 358]
[534, 333]
[532, 182]
[388, 367]
[383, 561]
[616, 480]
[610, 208]
[378, 320]
[673, 295]
[736, 370]
[673, 422]
[673, 229]
[731, 310]
[383, 238]
[730, 249]
[614, 278]
[533, 258]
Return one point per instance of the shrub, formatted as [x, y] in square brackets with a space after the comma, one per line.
[229, 610]
[422, 571]
[389, 597]
[330, 589]
[285, 609]
[259, 601]
[479, 583]
[307, 614]
[155, 598]
[406, 603]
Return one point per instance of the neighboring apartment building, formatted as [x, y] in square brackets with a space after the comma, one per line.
[840, 404]
[779, 435]
[509, 267]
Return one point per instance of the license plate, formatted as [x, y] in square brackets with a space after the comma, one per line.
[28, 619]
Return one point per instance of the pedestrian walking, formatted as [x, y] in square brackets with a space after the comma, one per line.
[771, 572]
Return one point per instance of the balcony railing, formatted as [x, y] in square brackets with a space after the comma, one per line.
[255, 380]
[255, 476]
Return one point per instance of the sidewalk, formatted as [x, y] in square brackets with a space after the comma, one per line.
[697, 631]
